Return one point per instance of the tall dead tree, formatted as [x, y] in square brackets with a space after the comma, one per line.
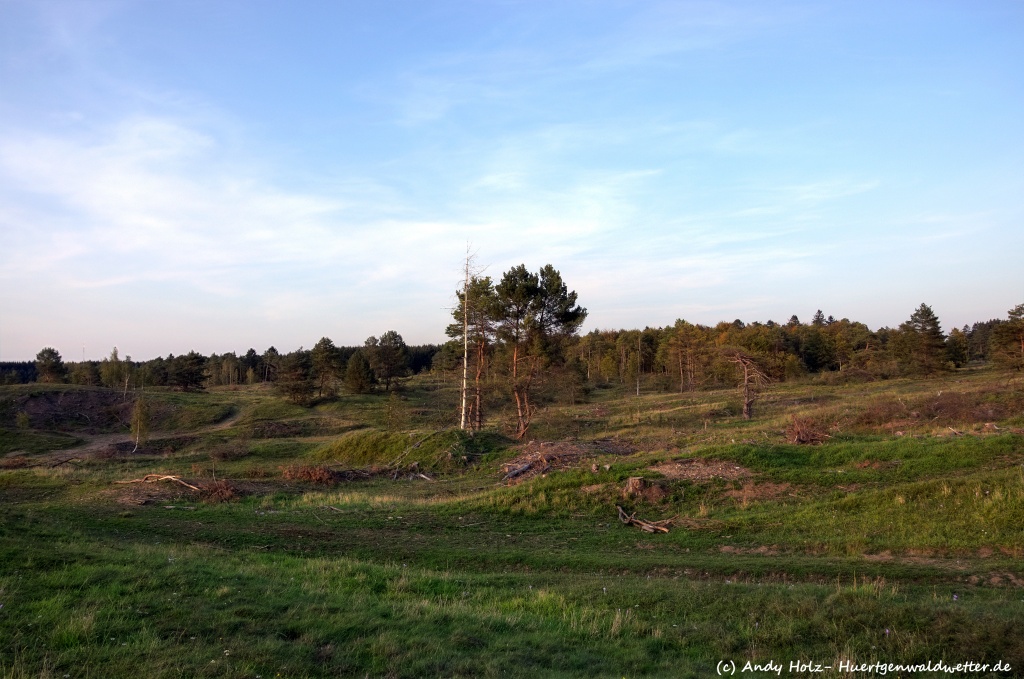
[474, 330]
[753, 379]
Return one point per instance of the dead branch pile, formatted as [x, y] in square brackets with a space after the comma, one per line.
[804, 430]
[535, 464]
[219, 491]
[155, 478]
[538, 458]
[645, 526]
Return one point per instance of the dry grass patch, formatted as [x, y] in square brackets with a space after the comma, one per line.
[15, 462]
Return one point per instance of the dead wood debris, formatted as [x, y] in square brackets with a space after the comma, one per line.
[646, 526]
[154, 478]
[805, 430]
[539, 457]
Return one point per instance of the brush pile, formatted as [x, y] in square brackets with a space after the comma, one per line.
[805, 430]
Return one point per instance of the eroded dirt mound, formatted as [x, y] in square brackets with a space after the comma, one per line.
[699, 469]
[82, 409]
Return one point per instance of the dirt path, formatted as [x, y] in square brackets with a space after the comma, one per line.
[98, 443]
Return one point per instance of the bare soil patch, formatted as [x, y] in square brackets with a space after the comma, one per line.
[700, 469]
[80, 409]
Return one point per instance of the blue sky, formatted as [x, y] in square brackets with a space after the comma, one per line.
[217, 175]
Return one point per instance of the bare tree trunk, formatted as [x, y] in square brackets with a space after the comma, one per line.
[465, 342]
[691, 370]
[517, 392]
[639, 364]
[478, 413]
[679, 356]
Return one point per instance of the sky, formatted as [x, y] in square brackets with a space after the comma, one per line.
[215, 175]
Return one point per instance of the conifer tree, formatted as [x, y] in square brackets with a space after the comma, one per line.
[50, 366]
[1007, 340]
[358, 375]
[924, 346]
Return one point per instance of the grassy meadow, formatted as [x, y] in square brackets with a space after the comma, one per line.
[366, 536]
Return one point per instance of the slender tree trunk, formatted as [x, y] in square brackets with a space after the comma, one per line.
[691, 370]
[480, 351]
[748, 401]
[517, 393]
[465, 342]
[639, 364]
[679, 356]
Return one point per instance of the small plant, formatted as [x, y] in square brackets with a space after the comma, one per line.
[22, 420]
[140, 422]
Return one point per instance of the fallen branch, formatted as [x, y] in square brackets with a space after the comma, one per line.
[517, 471]
[645, 526]
[67, 461]
[154, 478]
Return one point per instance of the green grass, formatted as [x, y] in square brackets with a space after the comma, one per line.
[871, 546]
[432, 449]
[14, 441]
[867, 461]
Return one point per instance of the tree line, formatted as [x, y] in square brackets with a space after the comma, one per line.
[518, 337]
[300, 375]
[516, 342]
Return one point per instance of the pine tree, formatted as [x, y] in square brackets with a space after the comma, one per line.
[924, 351]
[50, 366]
[294, 379]
[358, 375]
[1007, 340]
[326, 365]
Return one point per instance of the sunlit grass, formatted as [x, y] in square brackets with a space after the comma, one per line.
[897, 538]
